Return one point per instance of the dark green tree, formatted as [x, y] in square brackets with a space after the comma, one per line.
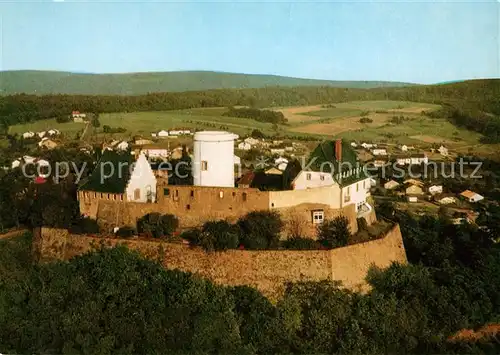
[334, 233]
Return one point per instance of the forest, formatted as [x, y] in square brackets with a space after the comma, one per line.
[473, 104]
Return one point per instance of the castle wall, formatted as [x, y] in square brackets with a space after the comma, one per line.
[328, 195]
[266, 270]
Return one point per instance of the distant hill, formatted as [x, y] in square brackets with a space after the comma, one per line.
[56, 82]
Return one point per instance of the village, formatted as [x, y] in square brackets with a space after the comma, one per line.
[268, 164]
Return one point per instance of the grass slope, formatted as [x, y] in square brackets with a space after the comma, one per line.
[55, 82]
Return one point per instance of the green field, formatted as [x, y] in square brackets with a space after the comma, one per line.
[69, 128]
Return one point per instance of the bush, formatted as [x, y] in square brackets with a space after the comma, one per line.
[126, 232]
[300, 243]
[257, 134]
[193, 236]
[365, 120]
[335, 232]
[63, 119]
[156, 226]
[260, 229]
[364, 113]
[219, 235]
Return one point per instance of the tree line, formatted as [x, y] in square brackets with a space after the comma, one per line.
[268, 116]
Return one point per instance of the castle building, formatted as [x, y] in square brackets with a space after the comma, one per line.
[119, 191]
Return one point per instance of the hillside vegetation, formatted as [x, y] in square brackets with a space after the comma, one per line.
[56, 82]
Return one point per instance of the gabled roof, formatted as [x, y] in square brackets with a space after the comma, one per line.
[469, 194]
[324, 154]
[111, 173]
[247, 178]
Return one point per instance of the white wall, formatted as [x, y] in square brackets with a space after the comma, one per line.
[156, 153]
[328, 195]
[301, 181]
[142, 178]
[216, 148]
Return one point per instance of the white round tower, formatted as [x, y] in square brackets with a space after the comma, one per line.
[213, 161]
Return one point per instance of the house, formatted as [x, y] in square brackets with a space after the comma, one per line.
[154, 151]
[28, 134]
[336, 165]
[443, 151]
[251, 141]
[280, 160]
[47, 144]
[404, 148]
[142, 141]
[412, 159]
[153, 135]
[273, 171]
[122, 178]
[289, 149]
[412, 198]
[353, 144]
[162, 134]
[78, 117]
[41, 134]
[373, 182]
[391, 184]
[445, 199]
[378, 163]
[414, 182]
[177, 153]
[435, 189]
[277, 150]
[414, 190]
[246, 180]
[53, 132]
[16, 163]
[122, 145]
[175, 133]
[471, 196]
[367, 145]
[379, 151]
[244, 146]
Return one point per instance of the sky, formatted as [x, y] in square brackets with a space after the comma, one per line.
[419, 42]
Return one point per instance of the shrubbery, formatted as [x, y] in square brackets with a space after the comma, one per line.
[365, 120]
[334, 233]
[301, 243]
[260, 229]
[256, 114]
[126, 232]
[108, 129]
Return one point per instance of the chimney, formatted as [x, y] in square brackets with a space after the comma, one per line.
[338, 150]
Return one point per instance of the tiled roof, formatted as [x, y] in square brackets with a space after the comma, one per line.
[468, 194]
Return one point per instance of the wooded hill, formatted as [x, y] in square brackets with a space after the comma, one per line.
[57, 82]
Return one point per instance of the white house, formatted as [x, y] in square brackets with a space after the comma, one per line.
[280, 160]
[443, 151]
[175, 133]
[282, 166]
[471, 196]
[244, 146]
[122, 145]
[277, 150]
[252, 141]
[28, 134]
[379, 151]
[53, 132]
[154, 152]
[446, 200]
[367, 145]
[237, 160]
[162, 134]
[154, 135]
[353, 144]
[413, 159]
[435, 189]
[41, 134]
[404, 148]
[141, 186]
[16, 163]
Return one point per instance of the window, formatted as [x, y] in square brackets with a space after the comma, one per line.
[322, 177]
[349, 190]
[357, 187]
[166, 192]
[364, 184]
[308, 176]
[318, 216]
[137, 194]
[192, 193]
[204, 165]
[176, 193]
[221, 194]
[234, 194]
[188, 207]
[244, 196]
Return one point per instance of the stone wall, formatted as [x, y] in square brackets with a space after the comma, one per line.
[268, 271]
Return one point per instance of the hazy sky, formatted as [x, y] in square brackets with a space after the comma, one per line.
[424, 42]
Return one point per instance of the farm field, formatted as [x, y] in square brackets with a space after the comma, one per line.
[69, 128]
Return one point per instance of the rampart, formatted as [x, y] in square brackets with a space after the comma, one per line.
[267, 270]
